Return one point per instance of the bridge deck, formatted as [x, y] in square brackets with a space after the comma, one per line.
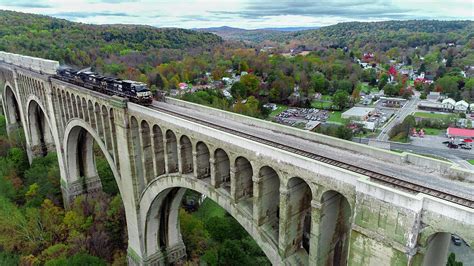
[406, 171]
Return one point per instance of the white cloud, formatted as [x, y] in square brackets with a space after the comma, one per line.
[243, 13]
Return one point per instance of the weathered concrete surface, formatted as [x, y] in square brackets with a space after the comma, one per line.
[300, 211]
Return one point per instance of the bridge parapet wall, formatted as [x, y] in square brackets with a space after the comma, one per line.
[447, 169]
[28, 62]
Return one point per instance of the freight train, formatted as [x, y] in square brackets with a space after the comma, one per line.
[135, 91]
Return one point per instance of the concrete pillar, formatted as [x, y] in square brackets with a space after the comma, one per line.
[195, 162]
[153, 154]
[165, 147]
[314, 240]
[284, 223]
[180, 159]
[127, 185]
[212, 163]
[233, 182]
[256, 195]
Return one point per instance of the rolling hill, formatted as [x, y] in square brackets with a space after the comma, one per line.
[82, 44]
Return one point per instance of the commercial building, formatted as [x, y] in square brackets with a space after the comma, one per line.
[358, 113]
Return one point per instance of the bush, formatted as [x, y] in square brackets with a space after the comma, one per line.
[79, 259]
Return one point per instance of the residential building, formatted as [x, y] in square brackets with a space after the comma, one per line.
[448, 104]
[461, 106]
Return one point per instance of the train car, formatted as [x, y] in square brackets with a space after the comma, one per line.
[135, 91]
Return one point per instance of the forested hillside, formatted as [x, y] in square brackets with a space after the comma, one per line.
[83, 44]
[389, 34]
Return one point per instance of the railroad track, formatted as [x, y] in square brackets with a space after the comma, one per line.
[381, 178]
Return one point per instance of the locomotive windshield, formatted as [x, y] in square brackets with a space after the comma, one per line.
[140, 88]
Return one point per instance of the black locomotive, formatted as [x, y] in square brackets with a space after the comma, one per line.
[135, 91]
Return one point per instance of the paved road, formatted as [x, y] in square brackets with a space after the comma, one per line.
[407, 109]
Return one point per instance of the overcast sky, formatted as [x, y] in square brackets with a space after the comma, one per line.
[248, 14]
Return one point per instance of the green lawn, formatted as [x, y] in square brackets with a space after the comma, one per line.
[209, 209]
[326, 97]
[400, 138]
[324, 103]
[368, 89]
[280, 108]
[430, 115]
[335, 116]
[434, 131]
[471, 161]
[321, 105]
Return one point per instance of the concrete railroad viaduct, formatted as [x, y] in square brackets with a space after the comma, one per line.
[305, 198]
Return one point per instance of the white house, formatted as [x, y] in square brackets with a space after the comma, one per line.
[448, 104]
[471, 107]
[461, 106]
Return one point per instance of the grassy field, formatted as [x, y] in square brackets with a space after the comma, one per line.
[400, 138]
[368, 89]
[324, 103]
[471, 161]
[434, 131]
[280, 108]
[209, 209]
[335, 116]
[430, 115]
[321, 105]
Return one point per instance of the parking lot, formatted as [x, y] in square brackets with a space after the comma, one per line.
[464, 253]
[295, 116]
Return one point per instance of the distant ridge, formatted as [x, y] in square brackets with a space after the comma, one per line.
[283, 29]
[254, 35]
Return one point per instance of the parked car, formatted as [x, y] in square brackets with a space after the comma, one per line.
[446, 142]
[456, 240]
[466, 147]
[452, 146]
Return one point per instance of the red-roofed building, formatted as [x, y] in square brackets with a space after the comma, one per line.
[393, 71]
[460, 132]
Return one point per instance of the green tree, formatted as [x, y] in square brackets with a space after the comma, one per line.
[252, 83]
[319, 83]
[341, 99]
[239, 90]
[447, 84]
[383, 81]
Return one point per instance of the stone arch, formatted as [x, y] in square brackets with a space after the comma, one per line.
[12, 109]
[147, 151]
[222, 169]
[298, 227]
[39, 128]
[268, 204]
[334, 228]
[203, 161]
[434, 245]
[243, 181]
[78, 143]
[153, 199]
[186, 155]
[158, 150]
[171, 151]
